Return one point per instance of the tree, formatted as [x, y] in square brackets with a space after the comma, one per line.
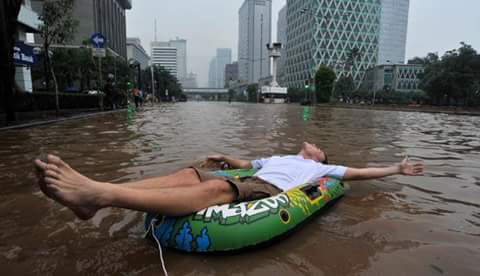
[453, 78]
[324, 79]
[58, 27]
[252, 91]
[416, 60]
[344, 88]
[163, 82]
[9, 10]
[296, 94]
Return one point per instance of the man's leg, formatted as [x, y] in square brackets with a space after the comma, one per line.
[170, 201]
[185, 177]
[85, 196]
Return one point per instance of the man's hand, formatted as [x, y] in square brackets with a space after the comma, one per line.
[216, 158]
[223, 162]
[407, 168]
[404, 168]
[213, 162]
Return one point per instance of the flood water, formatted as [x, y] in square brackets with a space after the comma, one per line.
[399, 225]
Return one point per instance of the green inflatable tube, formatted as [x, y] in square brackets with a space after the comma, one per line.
[237, 226]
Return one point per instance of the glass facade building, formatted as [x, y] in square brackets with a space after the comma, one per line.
[326, 32]
[393, 31]
[282, 38]
[398, 77]
[255, 32]
[163, 54]
[107, 17]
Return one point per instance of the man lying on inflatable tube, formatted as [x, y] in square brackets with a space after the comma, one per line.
[160, 195]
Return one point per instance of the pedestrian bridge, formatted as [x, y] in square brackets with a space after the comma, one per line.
[206, 94]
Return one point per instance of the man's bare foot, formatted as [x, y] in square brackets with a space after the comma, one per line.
[63, 184]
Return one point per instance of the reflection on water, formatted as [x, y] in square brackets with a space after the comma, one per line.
[418, 226]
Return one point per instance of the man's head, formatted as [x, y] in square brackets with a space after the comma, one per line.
[311, 151]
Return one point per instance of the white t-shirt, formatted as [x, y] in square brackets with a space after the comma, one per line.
[286, 172]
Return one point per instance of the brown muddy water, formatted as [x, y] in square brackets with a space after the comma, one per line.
[399, 225]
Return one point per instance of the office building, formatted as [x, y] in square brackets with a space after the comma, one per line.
[224, 57]
[393, 32]
[327, 32]
[190, 81]
[99, 16]
[135, 51]
[181, 45]
[255, 25]
[231, 74]
[212, 73]
[163, 54]
[216, 71]
[282, 38]
[396, 77]
[166, 49]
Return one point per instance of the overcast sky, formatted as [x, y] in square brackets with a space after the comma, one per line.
[434, 26]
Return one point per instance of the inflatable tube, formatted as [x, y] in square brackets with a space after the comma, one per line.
[236, 226]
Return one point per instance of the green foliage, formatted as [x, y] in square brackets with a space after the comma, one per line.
[296, 94]
[344, 88]
[324, 79]
[163, 82]
[77, 70]
[252, 91]
[452, 79]
[58, 25]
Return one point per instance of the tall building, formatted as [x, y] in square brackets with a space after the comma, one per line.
[224, 57]
[393, 31]
[167, 48]
[99, 16]
[282, 38]
[190, 81]
[327, 32]
[165, 55]
[136, 52]
[212, 73]
[216, 72]
[255, 32]
[181, 45]
[231, 73]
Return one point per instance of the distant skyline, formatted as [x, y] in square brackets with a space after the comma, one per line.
[434, 26]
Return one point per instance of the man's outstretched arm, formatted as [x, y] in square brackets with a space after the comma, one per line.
[404, 168]
[234, 163]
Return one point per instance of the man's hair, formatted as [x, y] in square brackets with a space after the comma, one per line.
[325, 162]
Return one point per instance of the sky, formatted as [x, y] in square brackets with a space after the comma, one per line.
[434, 26]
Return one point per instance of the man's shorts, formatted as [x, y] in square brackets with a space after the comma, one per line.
[247, 188]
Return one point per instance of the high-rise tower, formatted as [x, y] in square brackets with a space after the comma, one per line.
[393, 31]
[343, 35]
[255, 25]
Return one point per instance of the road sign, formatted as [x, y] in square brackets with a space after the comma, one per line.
[98, 40]
[23, 54]
[99, 52]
